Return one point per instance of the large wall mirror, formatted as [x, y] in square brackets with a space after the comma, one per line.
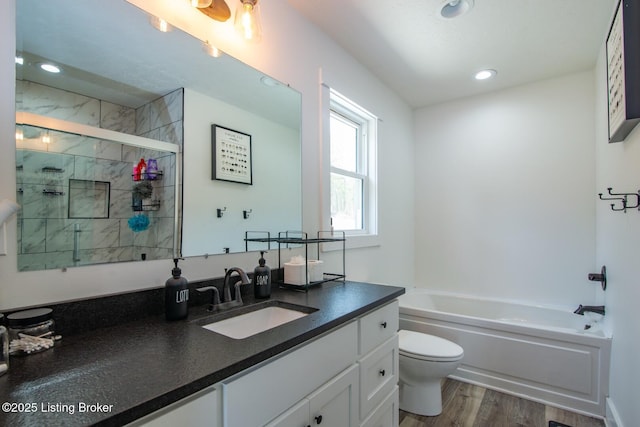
[128, 97]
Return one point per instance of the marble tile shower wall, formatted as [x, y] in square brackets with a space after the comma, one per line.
[45, 232]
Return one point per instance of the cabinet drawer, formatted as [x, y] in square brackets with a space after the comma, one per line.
[377, 327]
[272, 388]
[378, 375]
[387, 413]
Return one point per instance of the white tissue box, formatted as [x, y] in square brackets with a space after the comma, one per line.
[294, 274]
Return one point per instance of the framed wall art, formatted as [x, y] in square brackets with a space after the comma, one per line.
[231, 152]
[623, 68]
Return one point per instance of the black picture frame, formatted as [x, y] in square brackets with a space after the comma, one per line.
[231, 154]
[623, 67]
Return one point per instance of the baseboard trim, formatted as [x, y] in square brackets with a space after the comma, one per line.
[612, 418]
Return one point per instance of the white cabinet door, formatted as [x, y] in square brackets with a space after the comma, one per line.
[298, 416]
[336, 403]
[272, 388]
[199, 409]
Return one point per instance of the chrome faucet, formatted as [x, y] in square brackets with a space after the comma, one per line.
[599, 309]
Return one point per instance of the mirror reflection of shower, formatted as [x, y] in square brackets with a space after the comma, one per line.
[76, 197]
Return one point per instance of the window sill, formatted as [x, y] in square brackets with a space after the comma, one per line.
[353, 241]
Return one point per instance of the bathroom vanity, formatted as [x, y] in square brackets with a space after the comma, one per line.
[335, 366]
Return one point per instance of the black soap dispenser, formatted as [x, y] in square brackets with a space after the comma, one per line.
[176, 295]
[262, 279]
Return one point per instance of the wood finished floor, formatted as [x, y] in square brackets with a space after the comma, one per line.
[468, 405]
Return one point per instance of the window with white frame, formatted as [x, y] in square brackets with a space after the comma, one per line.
[352, 145]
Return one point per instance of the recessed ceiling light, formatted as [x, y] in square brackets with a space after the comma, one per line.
[50, 68]
[455, 8]
[19, 60]
[485, 74]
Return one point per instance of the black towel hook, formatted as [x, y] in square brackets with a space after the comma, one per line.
[623, 198]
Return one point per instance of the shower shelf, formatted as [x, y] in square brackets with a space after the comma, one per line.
[52, 169]
[145, 207]
[157, 176]
[47, 192]
[288, 238]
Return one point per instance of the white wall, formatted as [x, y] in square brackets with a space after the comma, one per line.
[295, 60]
[273, 198]
[505, 193]
[617, 237]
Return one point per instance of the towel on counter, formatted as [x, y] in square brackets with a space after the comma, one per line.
[7, 208]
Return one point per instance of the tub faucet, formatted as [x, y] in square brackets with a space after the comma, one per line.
[599, 309]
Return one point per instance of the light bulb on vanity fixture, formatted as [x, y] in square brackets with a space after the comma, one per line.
[46, 138]
[248, 21]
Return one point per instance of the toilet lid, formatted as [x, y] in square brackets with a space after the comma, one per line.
[428, 347]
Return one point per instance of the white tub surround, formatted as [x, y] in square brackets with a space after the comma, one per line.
[539, 353]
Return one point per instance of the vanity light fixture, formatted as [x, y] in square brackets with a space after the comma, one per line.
[216, 10]
[247, 20]
[485, 74]
[201, 3]
[455, 8]
[50, 68]
[46, 138]
[160, 24]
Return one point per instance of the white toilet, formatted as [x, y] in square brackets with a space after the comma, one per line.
[424, 361]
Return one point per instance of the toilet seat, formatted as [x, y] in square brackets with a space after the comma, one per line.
[417, 345]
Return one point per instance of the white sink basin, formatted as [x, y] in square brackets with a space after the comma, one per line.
[246, 325]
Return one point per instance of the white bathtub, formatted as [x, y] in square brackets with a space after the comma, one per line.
[544, 354]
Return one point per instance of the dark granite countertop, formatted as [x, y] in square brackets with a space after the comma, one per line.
[133, 369]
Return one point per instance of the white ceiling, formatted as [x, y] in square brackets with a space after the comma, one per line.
[428, 59]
